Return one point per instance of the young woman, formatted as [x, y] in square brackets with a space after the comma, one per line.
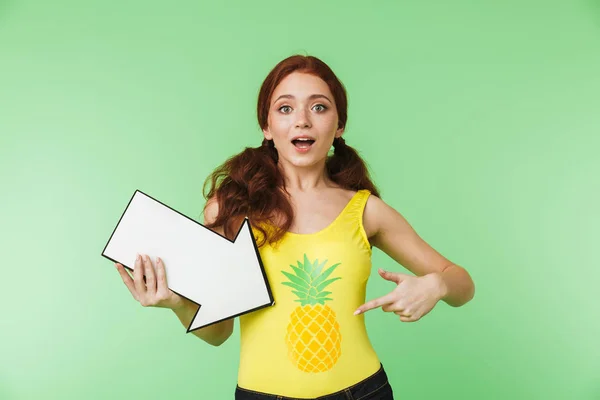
[316, 217]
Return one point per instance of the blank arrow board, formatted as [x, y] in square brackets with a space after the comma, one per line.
[225, 278]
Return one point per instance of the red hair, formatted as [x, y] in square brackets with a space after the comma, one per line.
[250, 183]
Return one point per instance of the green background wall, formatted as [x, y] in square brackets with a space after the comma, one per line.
[480, 122]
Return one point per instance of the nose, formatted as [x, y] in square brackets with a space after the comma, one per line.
[302, 120]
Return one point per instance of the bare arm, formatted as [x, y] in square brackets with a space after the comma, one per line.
[397, 238]
[215, 334]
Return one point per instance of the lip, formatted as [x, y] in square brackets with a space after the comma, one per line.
[303, 150]
[303, 137]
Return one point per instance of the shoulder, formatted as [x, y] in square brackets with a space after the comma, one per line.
[211, 210]
[210, 213]
[380, 217]
[373, 212]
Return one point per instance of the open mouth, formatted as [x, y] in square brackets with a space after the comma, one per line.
[303, 143]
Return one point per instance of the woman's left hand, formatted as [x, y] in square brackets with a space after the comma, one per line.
[411, 299]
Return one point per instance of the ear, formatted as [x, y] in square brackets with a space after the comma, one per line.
[267, 134]
[339, 132]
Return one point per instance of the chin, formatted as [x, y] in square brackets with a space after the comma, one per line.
[305, 161]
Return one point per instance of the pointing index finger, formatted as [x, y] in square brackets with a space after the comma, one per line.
[388, 298]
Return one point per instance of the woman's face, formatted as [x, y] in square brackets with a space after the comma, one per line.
[302, 106]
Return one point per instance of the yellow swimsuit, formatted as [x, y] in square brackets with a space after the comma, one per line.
[309, 343]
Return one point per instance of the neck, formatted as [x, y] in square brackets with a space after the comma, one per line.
[305, 179]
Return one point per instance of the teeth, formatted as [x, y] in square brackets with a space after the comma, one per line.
[304, 139]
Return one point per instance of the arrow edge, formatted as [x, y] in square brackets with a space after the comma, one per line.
[264, 274]
[260, 262]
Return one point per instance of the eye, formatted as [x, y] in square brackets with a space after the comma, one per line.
[316, 105]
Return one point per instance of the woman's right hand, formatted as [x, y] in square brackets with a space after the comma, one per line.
[154, 292]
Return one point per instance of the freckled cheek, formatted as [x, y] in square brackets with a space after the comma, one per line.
[279, 130]
[281, 126]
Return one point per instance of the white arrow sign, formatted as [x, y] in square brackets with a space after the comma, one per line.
[225, 278]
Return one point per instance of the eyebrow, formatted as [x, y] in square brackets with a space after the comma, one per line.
[312, 96]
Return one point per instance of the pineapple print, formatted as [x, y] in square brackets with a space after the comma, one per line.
[313, 334]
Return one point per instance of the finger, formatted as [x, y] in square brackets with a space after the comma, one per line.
[407, 316]
[127, 280]
[150, 275]
[403, 313]
[138, 275]
[393, 307]
[161, 276]
[388, 298]
[407, 319]
[396, 277]
[129, 272]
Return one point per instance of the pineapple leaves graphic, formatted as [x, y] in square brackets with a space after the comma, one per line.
[313, 335]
